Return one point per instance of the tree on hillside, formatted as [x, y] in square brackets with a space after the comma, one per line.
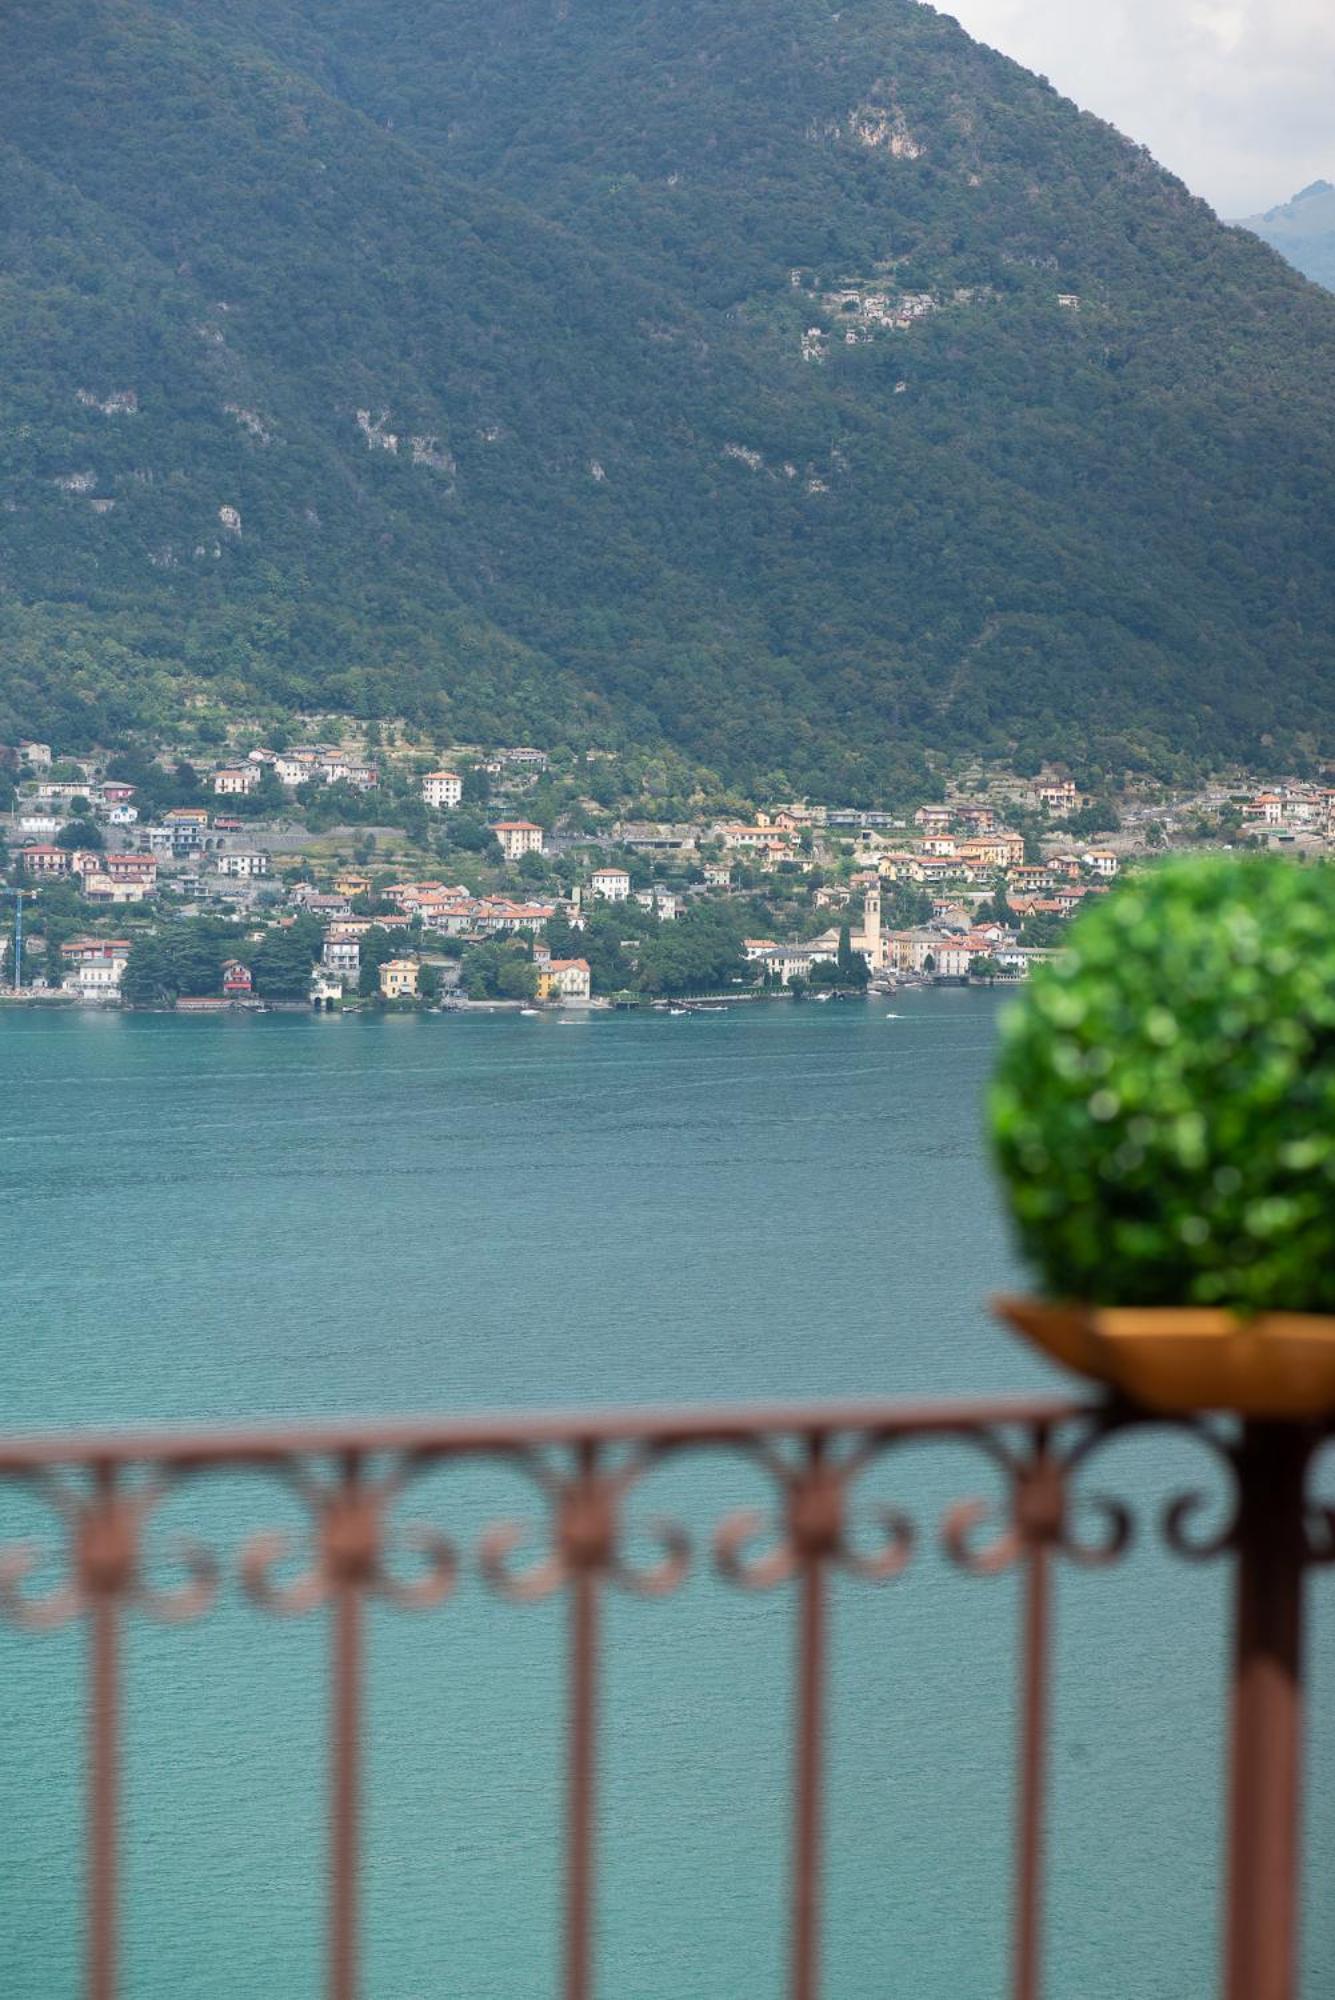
[149, 979]
[377, 947]
[196, 960]
[282, 961]
[997, 909]
[81, 833]
[852, 967]
[499, 971]
[600, 942]
[699, 953]
[1098, 816]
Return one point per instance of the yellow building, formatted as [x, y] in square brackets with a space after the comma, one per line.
[564, 979]
[518, 837]
[352, 885]
[398, 979]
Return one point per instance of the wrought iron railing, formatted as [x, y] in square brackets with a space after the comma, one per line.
[106, 1490]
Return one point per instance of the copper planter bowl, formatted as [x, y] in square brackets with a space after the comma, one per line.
[1279, 1365]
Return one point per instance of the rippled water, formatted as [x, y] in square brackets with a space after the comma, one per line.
[288, 1215]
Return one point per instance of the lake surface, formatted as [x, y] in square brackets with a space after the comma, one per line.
[284, 1216]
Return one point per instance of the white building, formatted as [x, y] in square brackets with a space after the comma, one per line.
[236, 782]
[612, 884]
[787, 962]
[94, 967]
[666, 902]
[1059, 796]
[1101, 860]
[342, 956]
[295, 767]
[99, 887]
[518, 837]
[442, 789]
[242, 867]
[326, 990]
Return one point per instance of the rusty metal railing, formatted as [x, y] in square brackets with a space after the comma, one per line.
[106, 1490]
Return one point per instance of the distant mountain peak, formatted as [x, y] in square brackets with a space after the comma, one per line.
[1303, 231]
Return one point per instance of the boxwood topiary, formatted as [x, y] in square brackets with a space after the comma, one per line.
[1163, 1110]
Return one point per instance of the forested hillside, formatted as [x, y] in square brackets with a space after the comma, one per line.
[801, 388]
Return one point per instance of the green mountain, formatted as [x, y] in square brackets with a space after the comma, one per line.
[1303, 230]
[581, 370]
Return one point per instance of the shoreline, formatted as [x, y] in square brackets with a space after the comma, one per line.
[66, 1003]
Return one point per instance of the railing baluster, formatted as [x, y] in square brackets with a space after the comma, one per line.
[1267, 1722]
[816, 1526]
[808, 1815]
[1039, 1504]
[350, 1548]
[105, 1561]
[106, 1488]
[586, 1541]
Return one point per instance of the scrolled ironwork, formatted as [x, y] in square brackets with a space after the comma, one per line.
[815, 1518]
[33, 1614]
[1175, 1526]
[662, 1578]
[541, 1579]
[351, 1548]
[586, 1535]
[1177, 1515]
[958, 1528]
[106, 1499]
[103, 1539]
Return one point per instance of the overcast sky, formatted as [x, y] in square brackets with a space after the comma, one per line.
[1236, 96]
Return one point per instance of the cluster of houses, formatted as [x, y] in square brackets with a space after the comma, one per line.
[951, 947]
[957, 851]
[1293, 809]
[102, 877]
[980, 880]
[303, 764]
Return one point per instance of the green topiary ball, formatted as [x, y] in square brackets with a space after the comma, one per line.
[1163, 1109]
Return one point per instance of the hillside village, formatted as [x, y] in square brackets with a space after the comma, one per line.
[378, 874]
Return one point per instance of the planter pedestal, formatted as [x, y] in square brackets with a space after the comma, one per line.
[1181, 1359]
[1266, 1729]
[1276, 1372]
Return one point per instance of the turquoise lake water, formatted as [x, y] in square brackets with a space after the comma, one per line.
[288, 1216]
